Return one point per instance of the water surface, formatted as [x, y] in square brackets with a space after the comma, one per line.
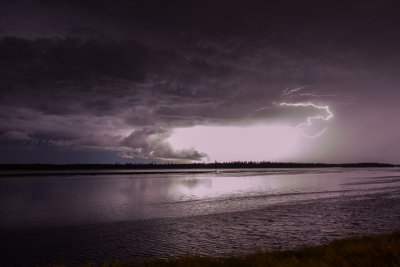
[80, 218]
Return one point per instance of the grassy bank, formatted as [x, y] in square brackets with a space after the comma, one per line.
[378, 250]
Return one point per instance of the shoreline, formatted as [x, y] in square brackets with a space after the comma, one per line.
[9, 171]
[359, 250]
[40, 173]
[167, 166]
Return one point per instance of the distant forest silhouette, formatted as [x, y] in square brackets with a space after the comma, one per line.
[214, 165]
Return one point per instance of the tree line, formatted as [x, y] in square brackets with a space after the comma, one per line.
[202, 165]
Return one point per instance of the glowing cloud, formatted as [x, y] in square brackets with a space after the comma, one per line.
[256, 143]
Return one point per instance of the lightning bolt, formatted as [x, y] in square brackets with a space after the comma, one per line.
[309, 120]
[288, 92]
[304, 92]
[313, 94]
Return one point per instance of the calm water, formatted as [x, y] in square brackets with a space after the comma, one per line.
[82, 218]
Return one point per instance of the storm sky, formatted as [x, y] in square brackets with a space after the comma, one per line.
[139, 81]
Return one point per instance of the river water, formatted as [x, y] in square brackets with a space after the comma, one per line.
[79, 218]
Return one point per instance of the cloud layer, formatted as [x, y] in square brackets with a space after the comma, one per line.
[117, 77]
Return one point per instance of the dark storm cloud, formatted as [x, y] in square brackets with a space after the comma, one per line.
[60, 83]
[15, 135]
[42, 63]
[119, 75]
[150, 143]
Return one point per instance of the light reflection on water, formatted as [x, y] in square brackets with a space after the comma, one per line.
[59, 200]
[214, 212]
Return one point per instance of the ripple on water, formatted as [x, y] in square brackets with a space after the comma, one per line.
[143, 218]
[278, 226]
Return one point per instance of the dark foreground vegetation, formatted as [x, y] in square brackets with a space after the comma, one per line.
[214, 165]
[378, 250]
